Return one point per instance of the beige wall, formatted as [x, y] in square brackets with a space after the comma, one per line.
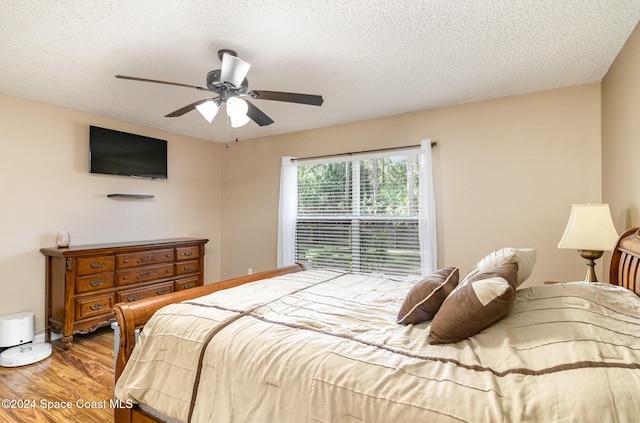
[45, 186]
[621, 135]
[506, 174]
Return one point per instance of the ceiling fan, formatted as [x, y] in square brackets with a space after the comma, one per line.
[232, 88]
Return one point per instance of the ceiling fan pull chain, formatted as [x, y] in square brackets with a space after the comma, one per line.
[227, 121]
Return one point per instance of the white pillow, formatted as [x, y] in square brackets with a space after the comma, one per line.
[524, 257]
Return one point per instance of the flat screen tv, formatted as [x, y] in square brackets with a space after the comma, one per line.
[119, 153]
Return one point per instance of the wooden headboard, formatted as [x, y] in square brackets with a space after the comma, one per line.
[625, 261]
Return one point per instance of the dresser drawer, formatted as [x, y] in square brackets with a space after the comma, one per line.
[140, 293]
[93, 282]
[185, 267]
[94, 306]
[89, 265]
[144, 274]
[183, 284]
[187, 253]
[145, 258]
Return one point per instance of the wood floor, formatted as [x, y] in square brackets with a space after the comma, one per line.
[81, 378]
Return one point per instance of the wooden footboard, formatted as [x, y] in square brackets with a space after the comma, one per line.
[132, 316]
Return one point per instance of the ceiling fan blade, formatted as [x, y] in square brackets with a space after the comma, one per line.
[189, 107]
[233, 70]
[258, 115]
[313, 100]
[158, 81]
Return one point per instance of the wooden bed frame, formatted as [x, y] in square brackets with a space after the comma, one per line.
[624, 271]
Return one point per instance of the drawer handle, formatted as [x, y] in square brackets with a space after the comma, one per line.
[187, 253]
[189, 267]
[148, 274]
[98, 265]
[162, 291]
[132, 298]
[97, 282]
[96, 306]
[147, 259]
[187, 286]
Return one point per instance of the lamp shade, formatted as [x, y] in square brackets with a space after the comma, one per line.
[237, 110]
[238, 121]
[208, 110]
[237, 107]
[590, 227]
[234, 70]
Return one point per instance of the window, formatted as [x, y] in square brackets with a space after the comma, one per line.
[361, 214]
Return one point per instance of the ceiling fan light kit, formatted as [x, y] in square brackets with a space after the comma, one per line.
[208, 109]
[239, 120]
[234, 70]
[237, 106]
[230, 83]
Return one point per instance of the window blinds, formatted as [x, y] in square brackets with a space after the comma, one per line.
[360, 214]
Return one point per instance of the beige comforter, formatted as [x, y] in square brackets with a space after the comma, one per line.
[323, 346]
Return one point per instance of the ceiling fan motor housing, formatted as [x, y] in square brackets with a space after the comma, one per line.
[215, 85]
[213, 80]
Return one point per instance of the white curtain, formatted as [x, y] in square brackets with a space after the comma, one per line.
[427, 212]
[287, 212]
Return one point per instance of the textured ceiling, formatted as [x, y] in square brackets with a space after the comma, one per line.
[367, 58]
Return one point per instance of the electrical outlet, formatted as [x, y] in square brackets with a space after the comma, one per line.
[249, 271]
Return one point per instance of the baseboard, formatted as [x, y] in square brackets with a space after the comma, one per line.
[39, 337]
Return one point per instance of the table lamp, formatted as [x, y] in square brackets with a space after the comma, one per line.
[590, 230]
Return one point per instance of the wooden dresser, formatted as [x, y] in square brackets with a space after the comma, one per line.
[85, 281]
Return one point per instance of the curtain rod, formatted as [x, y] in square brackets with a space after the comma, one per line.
[378, 150]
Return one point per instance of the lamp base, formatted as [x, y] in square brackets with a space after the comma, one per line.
[591, 256]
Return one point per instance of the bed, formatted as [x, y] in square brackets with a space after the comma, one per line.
[296, 345]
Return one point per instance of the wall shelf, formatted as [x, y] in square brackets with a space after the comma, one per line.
[134, 196]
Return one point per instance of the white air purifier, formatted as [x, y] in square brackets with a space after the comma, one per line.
[17, 331]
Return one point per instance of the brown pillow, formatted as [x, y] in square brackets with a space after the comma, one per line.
[424, 299]
[486, 298]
